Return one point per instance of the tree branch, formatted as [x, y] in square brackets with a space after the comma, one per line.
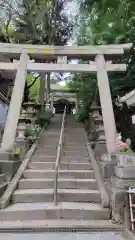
[3, 3]
[33, 81]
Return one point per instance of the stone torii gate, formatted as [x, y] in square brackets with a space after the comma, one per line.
[100, 67]
[60, 92]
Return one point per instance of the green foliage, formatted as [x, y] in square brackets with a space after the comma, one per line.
[34, 89]
[6, 32]
[45, 119]
[82, 115]
[43, 22]
[35, 22]
[33, 131]
[86, 87]
[110, 22]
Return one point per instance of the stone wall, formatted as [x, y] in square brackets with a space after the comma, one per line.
[118, 171]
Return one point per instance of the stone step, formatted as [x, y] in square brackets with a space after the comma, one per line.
[42, 158]
[41, 165]
[52, 158]
[63, 195]
[72, 143]
[62, 166]
[55, 132]
[74, 148]
[46, 148]
[49, 142]
[76, 153]
[83, 174]
[80, 142]
[125, 172]
[74, 132]
[49, 211]
[61, 224]
[48, 183]
[75, 159]
[47, 152]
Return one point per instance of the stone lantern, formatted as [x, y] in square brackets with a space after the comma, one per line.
[20, 145]
[37, 111]
[30, 111]
[29, 106]
[100, 145]
[94, 114]
[95, 111]
[100, 132]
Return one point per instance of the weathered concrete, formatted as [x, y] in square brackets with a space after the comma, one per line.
[73, 68]
[125, 172]
[9, 168]
[78, 195]
[4, 155]
[118, 200]
[105, 200]
[42, 91]
[106, 104]
[15, 104]
[64, 236]
[4, 201]
[45, 51]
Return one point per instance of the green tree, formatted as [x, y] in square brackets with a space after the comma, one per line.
[35, 22]
[43, 22]
[85, 87]
[110, 22]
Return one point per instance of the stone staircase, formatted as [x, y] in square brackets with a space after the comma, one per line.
[78, 195]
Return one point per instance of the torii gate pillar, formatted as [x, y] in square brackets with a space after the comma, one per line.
[42, 91]
[15, 104]
[106, 104]
[52, 100]
[77, 102]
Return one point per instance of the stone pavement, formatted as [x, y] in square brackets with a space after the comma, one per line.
[62, 236]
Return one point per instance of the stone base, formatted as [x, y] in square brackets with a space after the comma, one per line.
[20, 147]
[118, 179]
[118, 199]
[125, 172]
[4, 155]
[123, 160]
[9, 168]
[122, 183]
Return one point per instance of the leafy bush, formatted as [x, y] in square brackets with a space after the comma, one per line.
[33, 131]
[81, 115]
[45, 119]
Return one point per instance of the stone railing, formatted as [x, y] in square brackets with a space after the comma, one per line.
[105, 200]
